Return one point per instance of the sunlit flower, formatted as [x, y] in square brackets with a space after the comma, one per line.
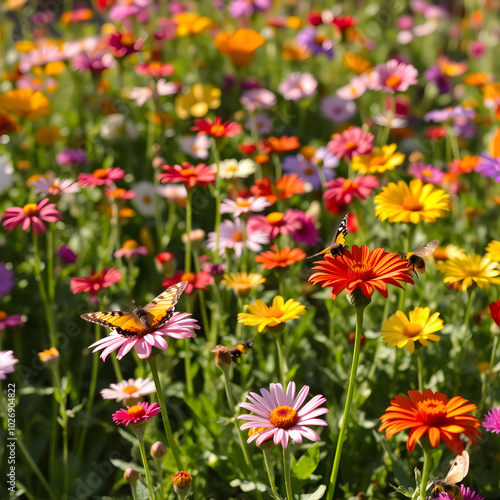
[274, 223]
[466, 271]
[244, 8]
[426, 173]
[401, 331]
[216, 128]
[239, 46]
[279, 144]
[93, 283]
[179, 326]
[25, 103]
[492, 421]
[131, 389]
[196, 281]
[356, 87]
[124, 44]
[361, 268]
[130, 249]
[285, 257]
[137, 414]
[234, 169]
[343, 191]
[447, 252]
[7, 362]
[101, 177]
[351, 142]
[489, 166]
[188, 174]
[243, 206]
[493, 250]
[281, 415]
[192, 23]
[380, 160]
[297, 86]
[411, 203]
[395, 76]
[434, 415]
[263, 316]
[31, 215]
[55, 186]
[200, 99]
[285, 188]
[155, 69]
[242, 283]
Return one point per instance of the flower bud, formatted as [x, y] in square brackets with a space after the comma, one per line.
[182, 483]
[130, 475]
[158, 449]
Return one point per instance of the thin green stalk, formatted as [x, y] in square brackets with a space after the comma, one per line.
[159, 474]
[347, 408]
[420, 370]
[164, 415]
[146, 467]
[227, 386]
[50, 264]
[488, 376]
[269, 468]
[281, 359]
[425, 473]
[218, 215]
[287, 469]
[116, 367]
[189, 225]
[201, 295]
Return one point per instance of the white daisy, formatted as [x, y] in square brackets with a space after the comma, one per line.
[129, 389]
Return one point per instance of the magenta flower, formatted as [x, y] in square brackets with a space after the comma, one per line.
[179, 326]
[31, 215]
[7, 282]
[101, 177]
[281, 415]
[93, 283]
[426, 173]
[10, 321]
[66, 254]
[95, 63]
[467, 494]
[343, 191]
[351, 142]
[7, 362]
[130, 249]
[188, 174]
[124, 45]
[275, 223]
[244, 8]
[255, 99]
[137, 414]
[72, 157]
[297, 86]
[307, 232]
[395, 76]
[492, 420]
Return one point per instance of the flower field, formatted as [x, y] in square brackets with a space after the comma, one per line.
[250, 250]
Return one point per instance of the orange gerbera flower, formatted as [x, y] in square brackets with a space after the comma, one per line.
[285, 188]
[239, 46]
[280, 258]
[279, 144]
[431, 413]
[361, 268]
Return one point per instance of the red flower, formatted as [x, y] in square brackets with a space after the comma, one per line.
[279, 144]
[431, 413]
[101, 177]
[314, 18]
[195, 281]
[343, 191]
[96, 281]
[141, 412]
[361, 268]
[436, 132]
[188, 174]
[495, 311]
[217, 128]
[31, 215]
[344, 22]
[124, 44]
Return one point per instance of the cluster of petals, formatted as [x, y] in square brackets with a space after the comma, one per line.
[31, 215]
[216, 128]
[394, 76]
[351, 142]
[101, 177]
[97, 280]
[189, 175]
[344, 191]
[141, 412]
[243, 205]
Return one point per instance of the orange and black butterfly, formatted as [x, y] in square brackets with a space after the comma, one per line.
[416, 258]
[337, 246]
[141, 320]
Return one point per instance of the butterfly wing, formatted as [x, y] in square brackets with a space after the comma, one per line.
[338, 240]
[426, 249]
[125, 323]
[459, 468]
[160, 309]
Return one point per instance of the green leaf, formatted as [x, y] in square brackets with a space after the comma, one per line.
[307, 463]
[319, 493]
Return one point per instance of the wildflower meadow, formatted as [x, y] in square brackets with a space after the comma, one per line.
[250, 249]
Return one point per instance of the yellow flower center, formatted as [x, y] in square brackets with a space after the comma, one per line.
[100, 173]
[131, 244]
[232, 169]
[412, 330]
[351, 145]
[243, 203]
[283, 417]
[426, 173]
[237, 236]
[127, 41]
[189, 277]
[309, 171]
[255, 430]
[377, 161]
[360, 271]
[274, 218]
[188, 172]
[412, 205]
[307, 152]
[3, 315]
[136, 411]
[217, 130]
[130, 389]
[393, 81]
[432, 411]
[320, 39]
[30, 209]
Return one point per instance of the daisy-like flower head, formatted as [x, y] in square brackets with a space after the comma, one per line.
[343, 191]
[282, 416]
[356, 87]
[234, 169]
[124, 44]
[31, 214]
[297, 86]
[216, 128]
[101, 177]
[306, 232]
[280, 258]
[426, 173]
[493, 250]
[195, 281]
[93, 283]
[380, 160]
[243, 205]
[401, 331]
[130, 249]
[55, 186]
[466, 271]
[361, 268]
[179, 326]
[492, 420]
[196, 145]
[279, 144]
[255, 99]
[242, 283]
[273, 317]
[467, 494]
[128, 390]
[432, 414]
[188, 174]
[411, 203]
[351, 142]
[275, 223]
[11, 321]
[239, 46]
[285, 188]
[395, 76]
[137, 414]
[7, 362]
[448, 252]
[49, 355]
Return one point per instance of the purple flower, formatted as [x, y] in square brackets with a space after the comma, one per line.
[489, 166]
[297, 86]
[438, 115]
[440, 79]
[464, 128]
[244, 8]
[467, 494]
[43, 17]
[6, 280]
[66, 254]
[72, 157]
[255, 99]
[96, 63]
[314, 42]
[337, 110]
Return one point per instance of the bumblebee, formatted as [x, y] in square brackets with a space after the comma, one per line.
[227, 355]
[416, 258]
[458, 470]
[337, 246]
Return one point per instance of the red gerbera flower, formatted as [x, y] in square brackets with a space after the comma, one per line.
[31, 215]
[361, 268]
[96, 281]
[101, 177]
[495, 311]
[195, 281]
[216, 128]
[280, 258]
[188, 174]
[431, 413]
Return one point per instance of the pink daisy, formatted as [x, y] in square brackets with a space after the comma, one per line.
[275, 223]
[55, 186]
[7, 362]
[243, 205]
[137, 414]
[307, 232]
[31, 215]
[130, 249]
[179, 326]
[343, 191]
[101, 177]
[297, 86]
[10, 321]
[96, 281]
[395, 76]
[351, 142]
[426, 173]
[281, 416]
[129, 389]
[354, 89]
[188, 174]
[492, 420]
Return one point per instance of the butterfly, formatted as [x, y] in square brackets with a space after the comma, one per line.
[416, 258]
[141, 320]
[337, 246]
[458, 470]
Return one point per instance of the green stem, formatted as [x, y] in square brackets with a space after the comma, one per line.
[269, 468]
[420, 370]
[189, 225]
[461, 353]
[347, 408]
[218, 215]
[159, 474]
[50, 264]
[425, 473]
[488, 376]
[227, 386]
[158, 217]
[281, 359]
[116, 367]
[287, 469]
[164, 414]
[146, 468]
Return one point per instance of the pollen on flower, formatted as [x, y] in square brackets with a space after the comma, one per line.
[434, 411]
[274, 218]
[100, 173]
[412, 205]
[393, 81]
[412, 330]
[30, 209]
[237, 236]
[189, 277]
[361, 271]
[283, 417]
[130, 389]
[136, 411]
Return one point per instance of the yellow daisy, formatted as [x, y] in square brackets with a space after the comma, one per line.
[272, 317]
[493, 250]
[401, 331]
[411, 203]
[378, 161]
[242, 283]
[200, 99]
[469, 271]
